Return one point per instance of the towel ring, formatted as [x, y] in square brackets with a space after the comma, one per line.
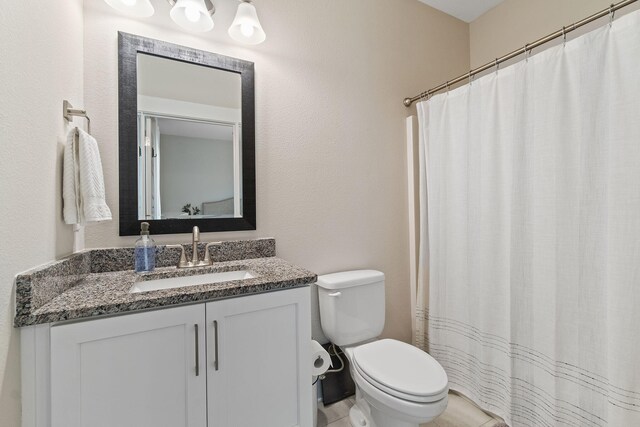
[68, 112]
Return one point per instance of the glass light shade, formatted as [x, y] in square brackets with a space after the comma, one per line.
[192, 15]
[246, 26]
[138, 8]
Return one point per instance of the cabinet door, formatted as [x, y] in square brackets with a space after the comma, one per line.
[135, 370]
[259, 367]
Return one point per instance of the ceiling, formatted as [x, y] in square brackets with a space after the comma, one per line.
[466, 10]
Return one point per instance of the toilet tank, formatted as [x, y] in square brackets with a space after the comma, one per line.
[351, 305]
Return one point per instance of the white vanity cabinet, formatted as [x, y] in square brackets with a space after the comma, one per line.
[132, 370]
[235, 362]
[259, 362]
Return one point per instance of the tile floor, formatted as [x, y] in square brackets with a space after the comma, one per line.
[460, 412]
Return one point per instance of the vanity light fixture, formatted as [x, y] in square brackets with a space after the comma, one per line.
[192, 15]
[195, 15]
[139, 8]
[246, 26]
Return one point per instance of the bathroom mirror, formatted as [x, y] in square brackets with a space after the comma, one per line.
[186, 138]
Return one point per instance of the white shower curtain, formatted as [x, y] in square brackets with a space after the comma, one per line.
[532, 201]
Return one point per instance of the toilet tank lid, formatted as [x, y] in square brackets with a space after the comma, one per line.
[348, 279]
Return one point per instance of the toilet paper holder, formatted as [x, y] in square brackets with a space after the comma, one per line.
[320, 359]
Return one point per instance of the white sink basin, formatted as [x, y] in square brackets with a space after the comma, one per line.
[184, 281]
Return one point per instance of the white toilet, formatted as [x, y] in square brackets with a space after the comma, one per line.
[397, 384]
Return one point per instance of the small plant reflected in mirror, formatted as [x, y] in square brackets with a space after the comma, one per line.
[191, 210]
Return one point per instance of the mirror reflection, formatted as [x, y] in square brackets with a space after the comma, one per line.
[189, 140]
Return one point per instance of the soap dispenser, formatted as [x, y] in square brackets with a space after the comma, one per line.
[145, 251]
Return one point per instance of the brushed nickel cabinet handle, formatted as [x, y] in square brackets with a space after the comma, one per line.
[215, 340]
[197, 351]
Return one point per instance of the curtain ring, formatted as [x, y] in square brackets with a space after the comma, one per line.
[470, 78]
[564, 35]
[447, 86]
[527, 52]
[497, 65]
[612, 12]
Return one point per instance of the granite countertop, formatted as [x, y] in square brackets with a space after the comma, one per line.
[44, 298]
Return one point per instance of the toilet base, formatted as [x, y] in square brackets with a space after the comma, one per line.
[369, 416]
[382, 419]
[357, 418]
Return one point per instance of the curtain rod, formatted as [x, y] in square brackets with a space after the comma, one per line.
[527, 48]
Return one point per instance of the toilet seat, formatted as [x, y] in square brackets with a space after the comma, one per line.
[401, 370]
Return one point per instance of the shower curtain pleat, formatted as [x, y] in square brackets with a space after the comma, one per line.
[529, 272]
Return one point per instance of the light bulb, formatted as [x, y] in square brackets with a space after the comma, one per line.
[192, 14]
[141, 8]
[247, 29]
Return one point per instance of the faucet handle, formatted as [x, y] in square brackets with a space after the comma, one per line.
[207, 258]
[183, 257]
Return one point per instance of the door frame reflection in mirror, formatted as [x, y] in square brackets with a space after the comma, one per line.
[152, 190]
[129, 46]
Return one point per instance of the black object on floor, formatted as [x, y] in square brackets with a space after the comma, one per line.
[337, 386]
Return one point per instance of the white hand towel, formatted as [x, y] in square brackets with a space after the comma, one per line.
[70, 181]
[83, 182]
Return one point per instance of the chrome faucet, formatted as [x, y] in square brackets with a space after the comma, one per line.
[195, 259]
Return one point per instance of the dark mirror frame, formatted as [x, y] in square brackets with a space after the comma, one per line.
[129, 46]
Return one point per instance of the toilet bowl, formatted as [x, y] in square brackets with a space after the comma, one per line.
[400, 385]
[397, 384]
